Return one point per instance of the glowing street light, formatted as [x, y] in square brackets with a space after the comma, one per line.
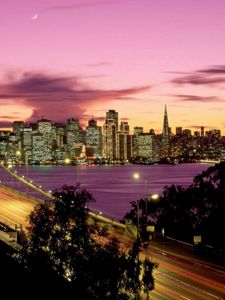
[136, 175]
[147, 197]
[155, 196]
[67, 160]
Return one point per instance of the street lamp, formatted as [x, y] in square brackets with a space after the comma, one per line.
[137, 176]
[67, 161]
[147, 197]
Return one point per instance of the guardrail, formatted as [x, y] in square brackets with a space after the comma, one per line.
[9, 222]
[28, 183]
[95, 216]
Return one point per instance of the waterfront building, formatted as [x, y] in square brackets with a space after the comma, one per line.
[61, 154]
[74, 133]
[76, 151]
[44, 126]
[12, 148]
[109, 139]
[137, 131]
[45, 129]
[17, 128]
[113, 115]
[110, 128]
[4, 137]
[123, 142]
[38, 151]
[146, 146]
[3, 147]
[93, 139]
[60, 135]
[26, 144]
[53, 132]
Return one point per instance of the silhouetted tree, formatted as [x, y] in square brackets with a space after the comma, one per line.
[65, 243]
[198, 209]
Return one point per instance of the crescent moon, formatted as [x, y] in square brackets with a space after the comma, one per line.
[34, 17]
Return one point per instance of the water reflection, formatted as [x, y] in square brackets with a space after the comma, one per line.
[112, 186]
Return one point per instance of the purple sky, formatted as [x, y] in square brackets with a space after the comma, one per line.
[84, 57]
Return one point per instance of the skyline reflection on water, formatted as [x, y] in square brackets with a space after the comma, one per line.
[113, 187]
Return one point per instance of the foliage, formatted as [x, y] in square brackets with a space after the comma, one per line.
[198, 209]
[64, 242]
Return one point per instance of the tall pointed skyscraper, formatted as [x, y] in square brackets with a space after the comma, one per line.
[165, 133]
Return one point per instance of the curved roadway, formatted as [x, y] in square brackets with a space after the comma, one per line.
[177, 277]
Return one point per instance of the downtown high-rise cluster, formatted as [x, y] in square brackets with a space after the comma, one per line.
[47, 142]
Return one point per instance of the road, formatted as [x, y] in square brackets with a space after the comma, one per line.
[177, 277]
[15, 208]
[180, 277]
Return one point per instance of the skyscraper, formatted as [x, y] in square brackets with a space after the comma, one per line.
[110, 128]
[137, 131]
[17, 128]
[109, 139]
[112, 115]
[202, 131]
[165, 133]
[45, 129]
[164, 148]
[26, 143]
[123, 142]
[93, 139]
[74, 132]
[179, 130]
[146, 146]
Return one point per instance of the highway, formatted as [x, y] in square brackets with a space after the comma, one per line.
[180, 277]
[15, 208]
[177, 277]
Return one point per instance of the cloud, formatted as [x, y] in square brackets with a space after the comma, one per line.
[218, 69]
[59, 97]
[81, 5]
[211, 76]
[195, 98]
[5, 124]
[198, 80]
[7, 117]
[97, 65]
[199, 127]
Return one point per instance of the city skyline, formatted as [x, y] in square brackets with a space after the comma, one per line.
[84, 125]
[62, 59]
